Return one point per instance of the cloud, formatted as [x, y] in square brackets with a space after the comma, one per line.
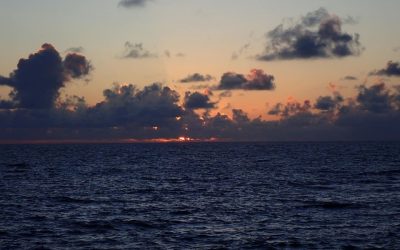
[75, 50]
[37, 80]
[392, 69]
[137, 51]
[255, 80]
[196, 77]
[77, 66]
[291, 108]
[350, 78]
[376, 98]
[36, 111]
[317, 35]
[198, 100]
[133, 3]
[328, 103]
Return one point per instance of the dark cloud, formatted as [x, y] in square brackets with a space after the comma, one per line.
[132, 3]
[392, 69]
[350, 78]
[154, 112]
[196, 77]
[198, 100]
[255, 80]
[376, 99]
[77, 66]
[290, 108]
[328, 103]
[37, 80]
[180, 54]
[317, 35]
[137, 51]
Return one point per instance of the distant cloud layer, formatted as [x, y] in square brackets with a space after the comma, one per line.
[317, 35]
[132, 3]
[391, 69]
[137, 51]
[36, 111]
[196, 77]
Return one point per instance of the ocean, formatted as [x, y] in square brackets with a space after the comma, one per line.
[200, 196]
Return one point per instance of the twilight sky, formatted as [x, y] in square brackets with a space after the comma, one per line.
[111, 70]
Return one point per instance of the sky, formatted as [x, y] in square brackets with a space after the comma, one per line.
[160, 70]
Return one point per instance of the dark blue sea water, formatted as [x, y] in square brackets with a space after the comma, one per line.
[200, 196]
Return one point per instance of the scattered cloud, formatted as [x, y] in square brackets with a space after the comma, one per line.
[329, 103]
[255, 80]
[36, 111]
[392, 69]
[196, 77]
[133, 3]
[317, 35]
[350, 78]
[137, 51]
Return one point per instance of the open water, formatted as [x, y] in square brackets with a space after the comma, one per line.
[200, 196]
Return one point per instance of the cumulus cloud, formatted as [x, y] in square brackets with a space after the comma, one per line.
[132, 3]
[137, 51]
[38, 79]
[317, 35]
[198, 100]
[376, 98]
[196, 77]
[255, 80]
[76, 65]
[391, 69]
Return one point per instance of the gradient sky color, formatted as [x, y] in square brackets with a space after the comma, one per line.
[207, 33]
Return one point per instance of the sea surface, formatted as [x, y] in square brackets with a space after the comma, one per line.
[200, 196]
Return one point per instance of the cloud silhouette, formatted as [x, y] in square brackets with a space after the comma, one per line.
[317, 35]
[35, 110]
[196, 77]
[255, 80]
[132, 3]
[392, 69]
[37, 80]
